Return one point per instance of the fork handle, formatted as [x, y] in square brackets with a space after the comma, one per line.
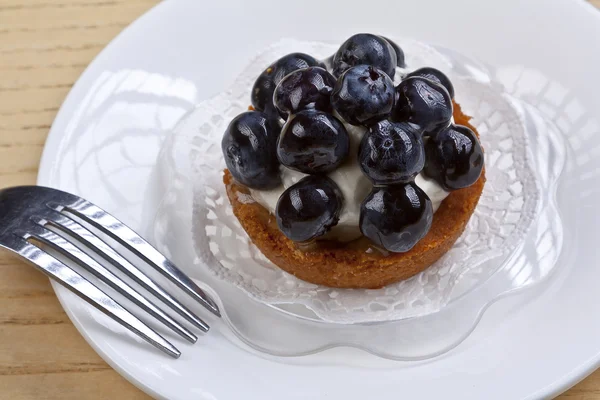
[83, 288]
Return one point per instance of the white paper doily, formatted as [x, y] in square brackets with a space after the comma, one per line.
[192, 157]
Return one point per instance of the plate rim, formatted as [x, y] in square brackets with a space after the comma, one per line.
[45, 169]
[48, 164]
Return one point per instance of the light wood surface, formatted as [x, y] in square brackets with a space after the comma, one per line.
[44, 46]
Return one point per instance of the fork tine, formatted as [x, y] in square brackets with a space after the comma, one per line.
[82, 234]
[84, 260]
[90, 293]
[135, 243]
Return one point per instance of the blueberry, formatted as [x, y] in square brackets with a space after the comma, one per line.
[391, 152]
[304, 88]
[399, 52]
[434, 75]
[363, 94]
[262, 94]
[423, 102]
[309, 208]
[396, 217]
[454, 157]
[313, 142]
[368, 49]
[262, 91]
[249, 147]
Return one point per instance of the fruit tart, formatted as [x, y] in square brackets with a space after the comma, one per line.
[363, 173]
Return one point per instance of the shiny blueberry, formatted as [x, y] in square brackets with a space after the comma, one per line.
[313, 142]
[399, 52]
[363, 94]
[309, 208]
[391, 152]
[249, 149]
[434, 75]
[396, 217]
[304, 88]
[454, 157]
[368, 49]
[262, 91]
[423, 102]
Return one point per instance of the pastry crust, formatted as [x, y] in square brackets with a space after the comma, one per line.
[357, 264]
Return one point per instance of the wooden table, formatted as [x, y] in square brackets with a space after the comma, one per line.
[44, 46]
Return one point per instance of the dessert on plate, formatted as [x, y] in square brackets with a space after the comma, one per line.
[363, 173]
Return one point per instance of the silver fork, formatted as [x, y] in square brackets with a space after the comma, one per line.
[27, 213]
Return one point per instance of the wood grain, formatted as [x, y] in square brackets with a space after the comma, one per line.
[44, 46]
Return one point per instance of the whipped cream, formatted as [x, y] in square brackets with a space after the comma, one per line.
[354, 185]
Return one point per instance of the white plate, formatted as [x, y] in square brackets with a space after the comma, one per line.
[105, 139]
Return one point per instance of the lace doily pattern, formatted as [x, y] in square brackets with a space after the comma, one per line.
[507, 207]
